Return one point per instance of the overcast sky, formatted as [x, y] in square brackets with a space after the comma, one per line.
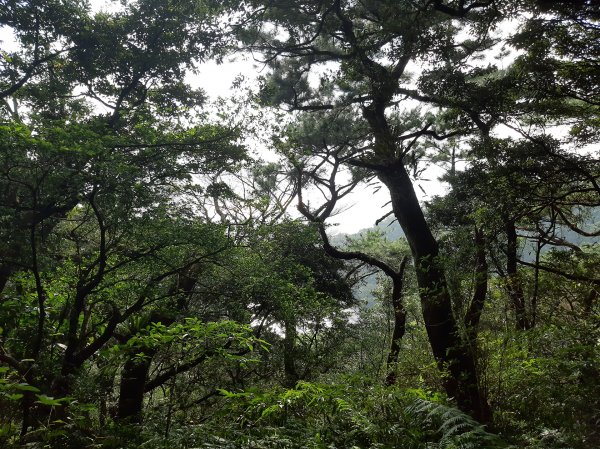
[358, 211]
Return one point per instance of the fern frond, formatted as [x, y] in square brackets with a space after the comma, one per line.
[455, 429]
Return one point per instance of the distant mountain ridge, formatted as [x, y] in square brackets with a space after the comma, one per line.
[391, 230]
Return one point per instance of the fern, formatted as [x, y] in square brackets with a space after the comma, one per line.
[346, 415]
[453, 428]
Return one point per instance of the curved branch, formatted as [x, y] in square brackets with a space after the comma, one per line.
[554, 270]
[575, 228]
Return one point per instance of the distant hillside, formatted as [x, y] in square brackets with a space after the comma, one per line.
[392, 231]
[565, 233]
[389, 227]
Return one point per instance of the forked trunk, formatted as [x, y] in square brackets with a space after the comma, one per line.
[451, 352]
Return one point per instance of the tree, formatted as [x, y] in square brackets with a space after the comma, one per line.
[80, 187]
[153, 287]
[326, 146]
[525, 187]
[373, 245]
[139, 80]
[368, 49]
[298, 294]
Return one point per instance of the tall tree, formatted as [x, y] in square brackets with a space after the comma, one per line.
[96, 145]
[360, 54]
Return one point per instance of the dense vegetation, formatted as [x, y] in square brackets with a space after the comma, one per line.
[163, 286]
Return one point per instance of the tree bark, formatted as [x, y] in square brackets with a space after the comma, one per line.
[134, 376]
[399, 323]
[397, 334]
[451, 352]
[132, 387]
[473, 315]
[289, 353]
[513, 283]
[5, 273]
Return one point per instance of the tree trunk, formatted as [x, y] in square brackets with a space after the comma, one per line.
[289, 353]
[515, 290]
[399, 322]
[473, 315]
[26, 409]
[5, 273]
[132, 388]
[451, 352]
[134, 376]
[398, 332]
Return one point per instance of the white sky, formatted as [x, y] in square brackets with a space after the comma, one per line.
[358, 211]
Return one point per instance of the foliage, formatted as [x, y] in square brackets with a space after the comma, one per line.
[157, 290]
[353, 414]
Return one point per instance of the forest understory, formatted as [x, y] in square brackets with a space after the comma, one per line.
[170, 271]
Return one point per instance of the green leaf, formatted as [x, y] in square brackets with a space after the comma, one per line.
[15, 396]
[226, 393]
[26, 387]
[47, 400]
